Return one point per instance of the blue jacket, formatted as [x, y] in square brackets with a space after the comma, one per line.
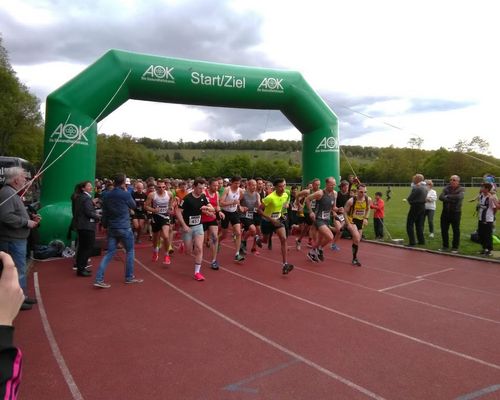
[116, 209]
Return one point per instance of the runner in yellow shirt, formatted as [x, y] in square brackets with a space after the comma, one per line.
[272, 219]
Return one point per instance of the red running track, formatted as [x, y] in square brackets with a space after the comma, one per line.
[406, 325]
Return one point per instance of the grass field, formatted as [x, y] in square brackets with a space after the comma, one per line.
[396, 211]
[188, 154]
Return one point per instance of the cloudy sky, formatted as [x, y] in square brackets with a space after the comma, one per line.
[390, 70]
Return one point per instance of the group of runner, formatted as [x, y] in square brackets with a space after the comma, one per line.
[255, 209]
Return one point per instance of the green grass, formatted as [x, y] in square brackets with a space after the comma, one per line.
[396, 211]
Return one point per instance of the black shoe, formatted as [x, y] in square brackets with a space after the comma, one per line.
[26, 306]
[30, 300]
[287, 268]
[356, 262]
[320, 255]
[84, 273]
[312, 256]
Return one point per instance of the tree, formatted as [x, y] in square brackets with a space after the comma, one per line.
[19, 109]
[416, 142]
[476, 144]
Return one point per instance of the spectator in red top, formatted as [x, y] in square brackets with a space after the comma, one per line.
[378, 216]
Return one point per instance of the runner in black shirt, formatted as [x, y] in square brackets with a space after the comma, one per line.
[139, 215]
[189, 215]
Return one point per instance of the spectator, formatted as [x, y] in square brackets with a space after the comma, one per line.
[85, 218]
[378, 216]
[116, 218]
[416, 214]
[486, 213]
[11, 299]
[430, 206]
[452, 198]
[15, 225]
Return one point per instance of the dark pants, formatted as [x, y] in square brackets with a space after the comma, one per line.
[430, 219]
[86, 242]
[378, 225]
[416, 217]
[485, 231]
[453, 219]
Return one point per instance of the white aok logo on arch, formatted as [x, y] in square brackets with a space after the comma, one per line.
[327, 144]
[159, 73]
[69, 133]
[271, 85]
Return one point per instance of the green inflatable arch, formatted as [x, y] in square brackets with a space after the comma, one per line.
[73, 111]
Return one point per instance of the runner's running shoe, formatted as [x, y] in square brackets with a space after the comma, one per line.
[356, 262]
[199, 277]
[155, 256]
[312, 256]
[287, 268]
[166, 260]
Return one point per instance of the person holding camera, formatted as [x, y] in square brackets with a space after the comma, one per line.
[11, 298]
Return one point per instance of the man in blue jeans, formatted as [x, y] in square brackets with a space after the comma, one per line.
[116, 218]
[15, 225]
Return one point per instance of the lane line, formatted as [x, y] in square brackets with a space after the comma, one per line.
[479, 393]
[461, 267]
[368, 323]
[400, 285]
[263, 338]
[329, 258]
[75, 392]
[465, 314]
[238, 386]
[437, 272]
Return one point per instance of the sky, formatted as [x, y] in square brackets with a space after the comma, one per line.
[390, 70]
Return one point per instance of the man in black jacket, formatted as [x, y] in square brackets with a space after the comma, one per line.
[85, 218]
[452, 198]
[416, 214]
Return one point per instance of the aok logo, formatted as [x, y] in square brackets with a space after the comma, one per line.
[271, 85]
[327, 144]
[159, 73]
[69, 133]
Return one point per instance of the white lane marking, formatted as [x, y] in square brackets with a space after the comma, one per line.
[371, 324]
[391, 294]
[75, 392]
[400, 285]
[437, 272]
[263, 338]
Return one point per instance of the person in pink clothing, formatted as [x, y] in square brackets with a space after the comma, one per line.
[378, 216]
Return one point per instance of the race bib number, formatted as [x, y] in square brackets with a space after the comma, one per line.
[341, 218]
[359, 213]
[162, 210]
[313, 204]
[249, 215]
[275, 215]
[194, 220]
[325, 215]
